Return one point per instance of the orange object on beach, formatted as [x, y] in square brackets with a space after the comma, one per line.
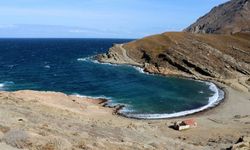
[185, 124]
[190, 122]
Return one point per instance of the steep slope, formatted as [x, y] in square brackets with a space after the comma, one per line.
[231, 17]
[218, 57]
[225, 58]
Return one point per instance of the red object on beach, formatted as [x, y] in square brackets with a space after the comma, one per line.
[190, 122]
[185, 124]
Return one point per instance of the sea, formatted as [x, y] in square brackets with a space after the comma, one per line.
[67, 65]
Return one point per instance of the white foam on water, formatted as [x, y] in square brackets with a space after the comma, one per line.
[109, 102]
[110, 64]
[47, 67]
[91, 59]
[201, 92]
[212, 102]
[4, 85]
[104, 63]
[139, 69]
[83, 59]
[92, 97]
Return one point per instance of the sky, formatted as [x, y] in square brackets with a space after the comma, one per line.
[98, 18]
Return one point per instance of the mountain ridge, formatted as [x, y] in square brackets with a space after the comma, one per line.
[228, 18]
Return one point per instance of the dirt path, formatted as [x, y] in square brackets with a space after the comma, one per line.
[126, 57]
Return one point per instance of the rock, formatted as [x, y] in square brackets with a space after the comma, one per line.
[242, 144]
[226, 18]
[248, 82]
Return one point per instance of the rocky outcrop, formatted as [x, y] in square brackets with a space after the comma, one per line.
[117, 55]
[224, 58]
[242, 144]
[221, 57]
[231, 17]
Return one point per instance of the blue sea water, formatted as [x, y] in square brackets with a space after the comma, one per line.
[64, 65]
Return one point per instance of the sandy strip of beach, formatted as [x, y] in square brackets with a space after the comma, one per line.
[50, 120]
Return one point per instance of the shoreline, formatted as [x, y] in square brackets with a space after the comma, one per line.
[217, 103]
[57, 114]
[142, 70]
[119, 107]
[217, 107]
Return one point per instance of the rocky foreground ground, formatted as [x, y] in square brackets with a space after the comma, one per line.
[55, 121]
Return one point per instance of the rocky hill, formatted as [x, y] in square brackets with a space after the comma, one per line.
[224, 58]
[218, 57]
[231, 17]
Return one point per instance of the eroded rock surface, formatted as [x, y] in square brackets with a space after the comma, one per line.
[228, 18]
[223, 58]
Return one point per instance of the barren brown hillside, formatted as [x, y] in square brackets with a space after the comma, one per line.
[221, 57]
[224, 58]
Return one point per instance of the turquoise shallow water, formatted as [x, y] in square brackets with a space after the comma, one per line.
[62, 65]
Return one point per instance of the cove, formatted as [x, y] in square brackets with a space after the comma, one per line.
[62, 65]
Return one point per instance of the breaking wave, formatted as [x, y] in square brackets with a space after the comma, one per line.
[92, 97]
[93, 60]
[110, 101]
[212, 102]
[5, 85]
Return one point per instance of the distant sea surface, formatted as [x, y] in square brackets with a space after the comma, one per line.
[65, 65]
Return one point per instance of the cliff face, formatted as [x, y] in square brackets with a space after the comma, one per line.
[231, 17]
[202, 56]
[225, 58]
[221, 57]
